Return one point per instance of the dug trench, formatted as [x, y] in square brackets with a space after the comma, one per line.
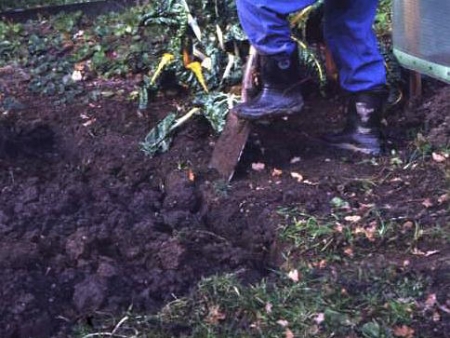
[89, 223]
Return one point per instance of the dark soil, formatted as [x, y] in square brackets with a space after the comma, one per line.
[89, 223]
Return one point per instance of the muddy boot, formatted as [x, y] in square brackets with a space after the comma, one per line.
[362, 132]
[280, 95]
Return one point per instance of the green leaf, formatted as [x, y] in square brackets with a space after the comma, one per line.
[371, 330]
[158, 139]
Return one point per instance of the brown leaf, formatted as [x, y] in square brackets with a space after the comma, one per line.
[191, 175]
[294, 275]
[322, 264]
[258, 166]
[339, 228]
[408, 225]
[437, 157]
[276, 172]
[214, 315]
[297, 176]
[443, 198]
[282, 322]
[431, 301]
[349, 251]
[370, 231]
[353, 219]
[89, 122]
[289, 334]
[427, 203]
[403, 331]
[320, 318]
[436, 316]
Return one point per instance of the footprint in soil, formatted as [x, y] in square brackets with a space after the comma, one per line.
[29, 141]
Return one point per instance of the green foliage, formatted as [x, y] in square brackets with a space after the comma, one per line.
[21, 4]
[196, 30]
[158, 139]
[10, 45]
[383, 19]
[215, 108]
[360, 303]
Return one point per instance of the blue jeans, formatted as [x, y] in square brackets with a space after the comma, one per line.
[347, 29]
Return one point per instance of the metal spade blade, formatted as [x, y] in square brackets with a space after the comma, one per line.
[229, 146]
[232, 140]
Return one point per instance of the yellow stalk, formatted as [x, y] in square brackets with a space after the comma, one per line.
[304, 46]
[165, 60]
[196, 68]
[301, 15]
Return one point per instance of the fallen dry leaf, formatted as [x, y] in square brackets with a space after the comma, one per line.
[282, 322]
[417, 252]
[214, 315]
[89, 122]
[408, 225]
[427, 203]
[436, 316]
[76, 76]
[310, 183]
[443, 198]
[370, 231]
[269, 307]
[339, 228]
[297, 176]
[403, 331]
[294, 275]
[322, 264]
[276, 172]
[431, 301]
[320, 318]
[289, 334]
[437, 157]
[191, 176]
[353, 219]
[258, 166]
[349, 251]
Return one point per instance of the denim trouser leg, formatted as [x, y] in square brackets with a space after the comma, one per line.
[264, 22]
[348, 32]
[349, 35]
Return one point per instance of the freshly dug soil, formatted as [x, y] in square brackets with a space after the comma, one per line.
[88, 222]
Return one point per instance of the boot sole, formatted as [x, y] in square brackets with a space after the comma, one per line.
[272, 115]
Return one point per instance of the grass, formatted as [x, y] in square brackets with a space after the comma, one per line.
[321, 290]
[347, 273]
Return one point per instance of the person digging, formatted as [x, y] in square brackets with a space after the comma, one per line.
[352, 42]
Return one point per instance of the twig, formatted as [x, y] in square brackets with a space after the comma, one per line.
[123, 320]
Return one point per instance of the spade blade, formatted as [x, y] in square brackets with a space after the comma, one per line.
[229, 146]
[232, 140]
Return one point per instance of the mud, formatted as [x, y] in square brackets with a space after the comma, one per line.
[89, 223]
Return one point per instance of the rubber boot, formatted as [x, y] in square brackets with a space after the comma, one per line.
[362, 132]
[280, 94]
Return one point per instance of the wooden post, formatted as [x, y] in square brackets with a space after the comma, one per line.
[413, 37]
[415, 85]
